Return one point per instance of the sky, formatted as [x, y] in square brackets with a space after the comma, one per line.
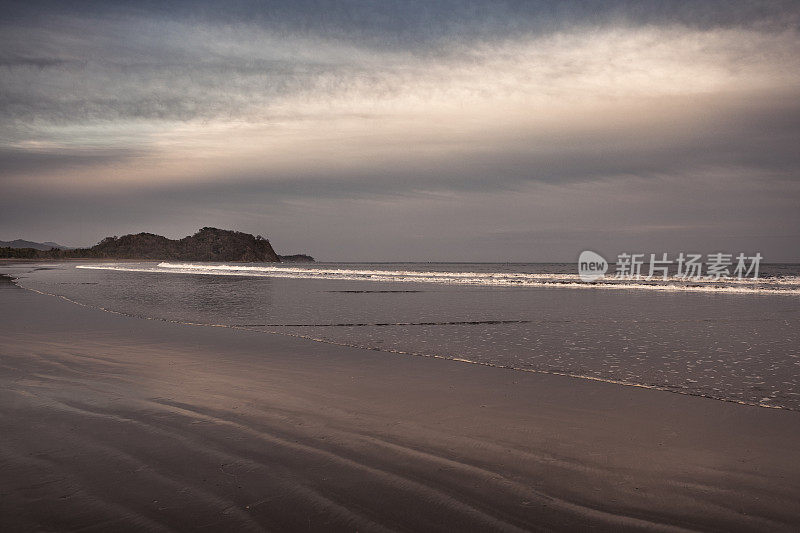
[406, 130]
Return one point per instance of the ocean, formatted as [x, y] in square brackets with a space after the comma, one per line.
[733, 340]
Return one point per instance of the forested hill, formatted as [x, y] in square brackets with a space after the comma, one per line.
[208, 244]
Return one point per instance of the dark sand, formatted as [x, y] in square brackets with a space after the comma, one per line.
[115, 423]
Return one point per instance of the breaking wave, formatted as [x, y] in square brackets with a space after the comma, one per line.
[772, 285]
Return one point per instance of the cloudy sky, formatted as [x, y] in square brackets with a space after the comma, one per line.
[406, 130]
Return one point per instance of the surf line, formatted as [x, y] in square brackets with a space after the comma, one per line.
[498, 280]
[361, 324]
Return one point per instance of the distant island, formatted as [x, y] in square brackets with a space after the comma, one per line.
[208, 244]
[296, 258]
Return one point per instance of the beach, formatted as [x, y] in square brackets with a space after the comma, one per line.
[352, 266]
[114, 422]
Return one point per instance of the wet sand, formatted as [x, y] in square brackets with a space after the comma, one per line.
[111, 422]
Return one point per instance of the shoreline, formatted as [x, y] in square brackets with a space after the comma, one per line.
[415, 354]
[280, 432]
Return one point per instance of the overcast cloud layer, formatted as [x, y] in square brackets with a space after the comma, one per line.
[406, 130]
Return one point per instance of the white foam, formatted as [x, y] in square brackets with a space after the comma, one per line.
[786, 285]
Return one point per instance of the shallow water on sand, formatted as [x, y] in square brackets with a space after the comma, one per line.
[740, 343]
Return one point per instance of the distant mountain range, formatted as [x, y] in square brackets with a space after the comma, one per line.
[208, 244]
[19, 243]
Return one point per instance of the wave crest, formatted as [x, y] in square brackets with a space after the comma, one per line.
[784, 285]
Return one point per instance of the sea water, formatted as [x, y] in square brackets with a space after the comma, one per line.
[736, 340]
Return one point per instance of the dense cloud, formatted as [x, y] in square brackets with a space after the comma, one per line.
[438, 126]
